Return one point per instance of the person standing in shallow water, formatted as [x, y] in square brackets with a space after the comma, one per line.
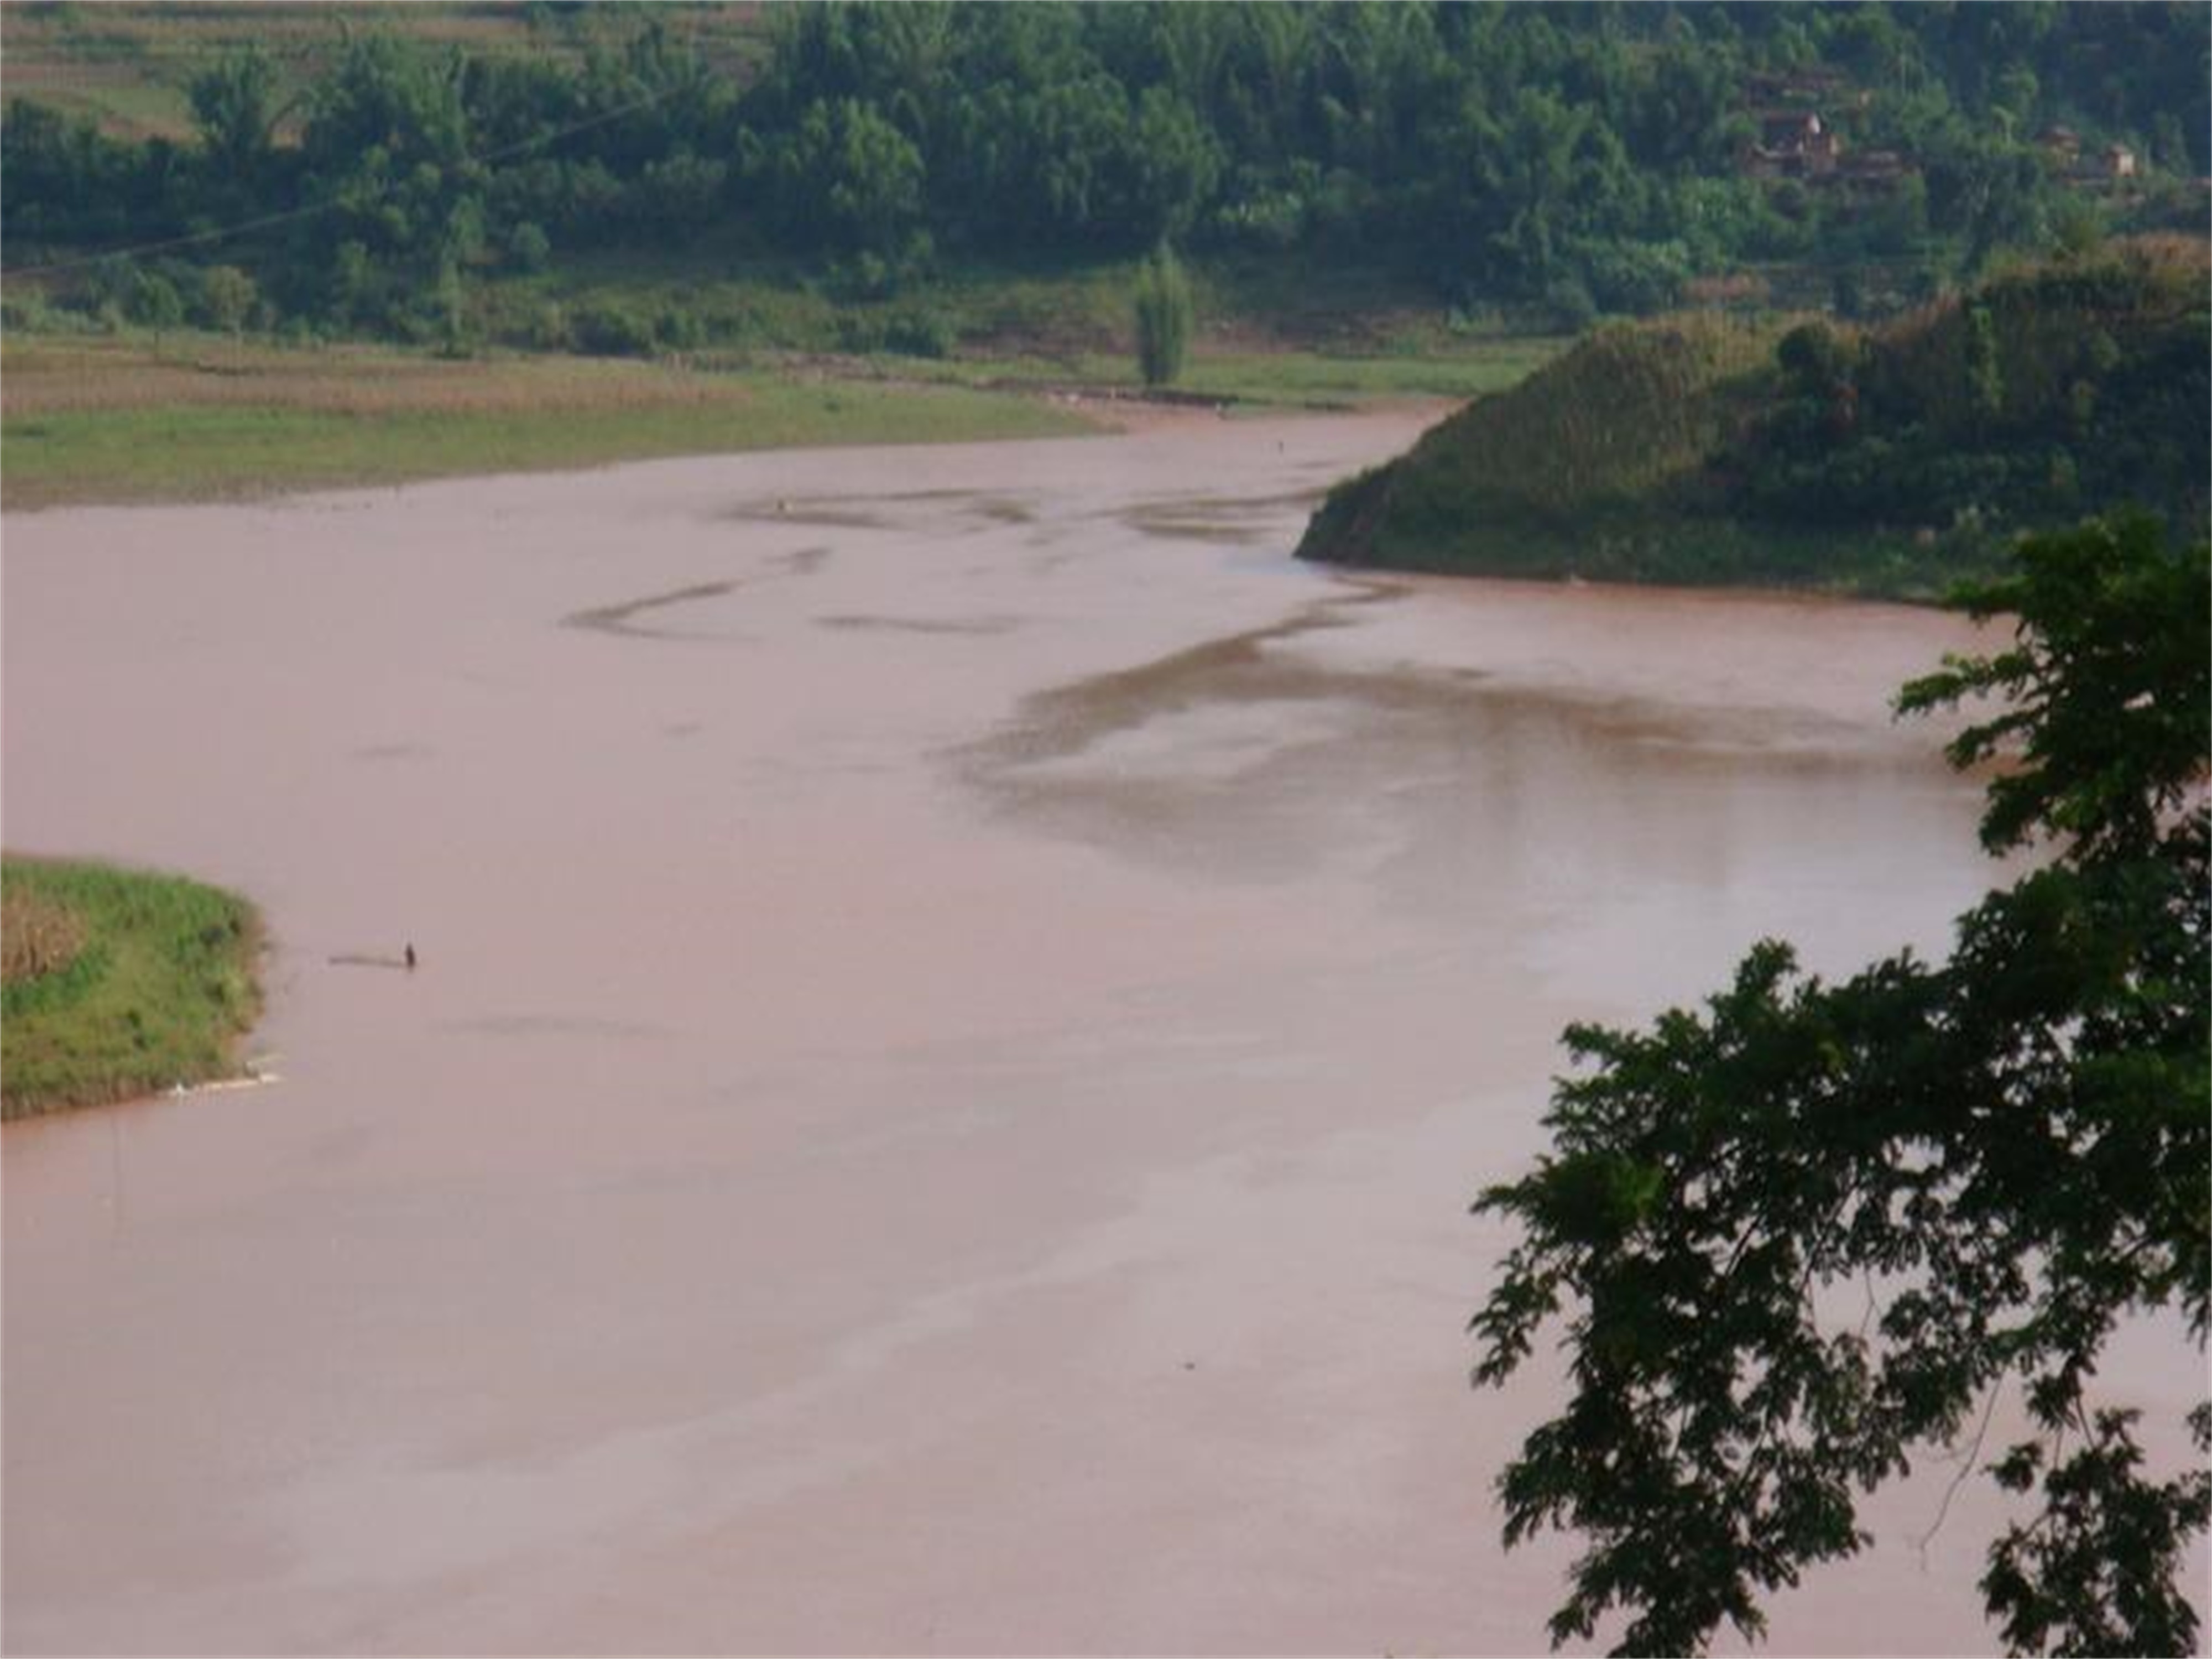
[409, 956]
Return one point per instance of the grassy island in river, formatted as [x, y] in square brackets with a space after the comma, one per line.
[117, 982]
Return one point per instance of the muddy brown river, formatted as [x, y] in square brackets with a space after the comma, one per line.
[963, 996]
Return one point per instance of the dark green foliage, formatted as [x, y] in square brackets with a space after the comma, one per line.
[676, 329]
[235, 106]
[528, 247]
[845, 178]
[62, 181]
[1569, 306]
[2105, 695]
[1163, 315]
[151, 301]
[1892, 459]
[1558, 158]
[2010, 1150]
[2078, 385]
[611, 330]
[2057, 1584]
[226, 298]
[1816, 361]
[1984, 367]
[919, 334]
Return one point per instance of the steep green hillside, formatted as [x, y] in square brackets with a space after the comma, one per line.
[1890, 460]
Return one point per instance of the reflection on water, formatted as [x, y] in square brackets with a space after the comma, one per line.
[943, 1126]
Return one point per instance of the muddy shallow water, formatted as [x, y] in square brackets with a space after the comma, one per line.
[963, 998]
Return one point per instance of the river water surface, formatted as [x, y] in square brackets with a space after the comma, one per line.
[963, 998]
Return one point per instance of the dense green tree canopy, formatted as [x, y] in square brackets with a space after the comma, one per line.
[1587, 156]
[2003, 1155]
[235, 106]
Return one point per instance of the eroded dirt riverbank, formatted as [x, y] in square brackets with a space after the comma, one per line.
[963, 998]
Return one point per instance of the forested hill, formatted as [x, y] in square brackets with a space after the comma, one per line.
[1567, 159]
[1890, 460]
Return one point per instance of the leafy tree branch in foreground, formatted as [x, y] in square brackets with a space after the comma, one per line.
[2003, 1156]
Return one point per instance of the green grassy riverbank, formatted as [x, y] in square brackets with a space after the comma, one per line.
[117, 982]
[199, 418]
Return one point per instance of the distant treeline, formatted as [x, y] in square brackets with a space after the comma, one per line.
[1585, 157]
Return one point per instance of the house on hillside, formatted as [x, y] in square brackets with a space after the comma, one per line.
[1792, 143]
[1873, 173]
[2061, 146]
[2107, 164]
